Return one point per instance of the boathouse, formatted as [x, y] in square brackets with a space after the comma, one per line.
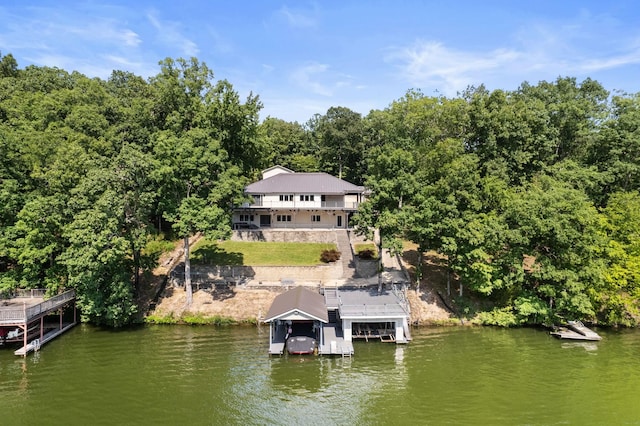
[337, 317]
[32, 320]
[299, 312]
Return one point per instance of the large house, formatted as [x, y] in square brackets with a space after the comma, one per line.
[286, 199]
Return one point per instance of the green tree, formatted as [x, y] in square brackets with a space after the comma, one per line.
[198, 180]
[619, 298]
[287, 144]
[557, 233]
[616, 151]
[340, 133]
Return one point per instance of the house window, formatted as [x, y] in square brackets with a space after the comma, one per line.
[286, 197]
[283, 218]
[246, 218]
[306, 197]
[315, 218]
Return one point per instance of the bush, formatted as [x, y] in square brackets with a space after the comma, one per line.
[330, 255]
[501, 317]
[367, 254]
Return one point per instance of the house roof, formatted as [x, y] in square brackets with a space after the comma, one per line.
[296, 301]
[274, 170]
[303, 183]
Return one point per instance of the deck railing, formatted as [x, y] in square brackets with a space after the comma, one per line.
[24, 314]
[303, 204]
[34, 292]
[372, 310]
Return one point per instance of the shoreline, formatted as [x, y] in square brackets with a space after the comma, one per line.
[232, 305]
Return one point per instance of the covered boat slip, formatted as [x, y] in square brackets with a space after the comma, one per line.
[336, 318]
[297, 312]
[33, 321]
[370, 314]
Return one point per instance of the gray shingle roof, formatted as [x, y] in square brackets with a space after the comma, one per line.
[298, 299]
[303, 183]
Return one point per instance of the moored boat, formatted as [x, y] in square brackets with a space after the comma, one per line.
[301, 345]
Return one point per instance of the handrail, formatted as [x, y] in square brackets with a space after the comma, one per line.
[24, 314]
[364, 310]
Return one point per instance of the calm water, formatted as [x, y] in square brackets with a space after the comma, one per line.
[179, 375]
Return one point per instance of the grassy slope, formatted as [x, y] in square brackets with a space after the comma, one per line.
[258, 253]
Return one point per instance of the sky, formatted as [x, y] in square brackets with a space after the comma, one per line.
[303, 57]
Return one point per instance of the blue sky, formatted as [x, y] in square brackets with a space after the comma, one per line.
[303, 57]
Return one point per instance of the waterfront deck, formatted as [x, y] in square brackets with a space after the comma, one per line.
[575, 330]
[25, 308]
[334, 343]
[22, 319]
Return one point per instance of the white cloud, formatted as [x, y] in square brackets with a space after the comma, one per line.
[432, 64]
[169, 32]
[299, 18]
[538, 50]
[320, 79]
[307, 77]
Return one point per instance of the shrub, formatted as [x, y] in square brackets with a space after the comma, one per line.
[330, 255]
[501, 317]
[367, 254]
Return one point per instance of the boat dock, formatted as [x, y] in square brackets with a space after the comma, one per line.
[27, 318]
[337, 317]
[575, 330]
[334, 342]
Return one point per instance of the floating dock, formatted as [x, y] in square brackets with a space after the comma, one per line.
[22, 319]
[575, 330]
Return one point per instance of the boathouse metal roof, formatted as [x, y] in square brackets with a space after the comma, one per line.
[298, 302]
[303, 183]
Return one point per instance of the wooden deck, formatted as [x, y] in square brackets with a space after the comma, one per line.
[334, 343]
[26, 315]
[575, 330]
[331, 298]
[19, 310]
[35, 344]
[276, 348]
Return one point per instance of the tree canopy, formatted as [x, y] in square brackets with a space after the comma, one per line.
[530, 195]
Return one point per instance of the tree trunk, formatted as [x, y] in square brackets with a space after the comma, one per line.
[380, 264]
[187, 273]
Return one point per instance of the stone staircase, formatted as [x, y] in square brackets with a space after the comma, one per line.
[344, 246]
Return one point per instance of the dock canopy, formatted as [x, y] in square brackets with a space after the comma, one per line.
[298, 304]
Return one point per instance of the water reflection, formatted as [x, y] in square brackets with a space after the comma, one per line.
[207, 375]
[297, 373]
[587, 346]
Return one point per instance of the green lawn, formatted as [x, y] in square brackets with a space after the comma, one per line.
[358, 247]
[208, 252]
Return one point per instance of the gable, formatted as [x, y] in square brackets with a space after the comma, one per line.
[298, 303]
[275, 170]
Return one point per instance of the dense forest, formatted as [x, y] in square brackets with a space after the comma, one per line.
[530, 195]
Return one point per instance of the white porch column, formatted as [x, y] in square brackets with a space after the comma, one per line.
[399, 330]
[346, 329]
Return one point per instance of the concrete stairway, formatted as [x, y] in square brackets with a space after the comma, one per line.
[344, 246]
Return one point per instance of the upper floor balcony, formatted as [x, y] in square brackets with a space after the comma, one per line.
[295, 204]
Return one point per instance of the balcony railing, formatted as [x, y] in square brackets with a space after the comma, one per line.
[385, 310]
[26, 313]
[303, 205]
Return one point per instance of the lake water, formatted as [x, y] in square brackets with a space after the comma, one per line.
[180, 375]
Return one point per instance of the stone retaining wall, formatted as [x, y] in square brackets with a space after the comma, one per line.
[199, 274]
[283, 235]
